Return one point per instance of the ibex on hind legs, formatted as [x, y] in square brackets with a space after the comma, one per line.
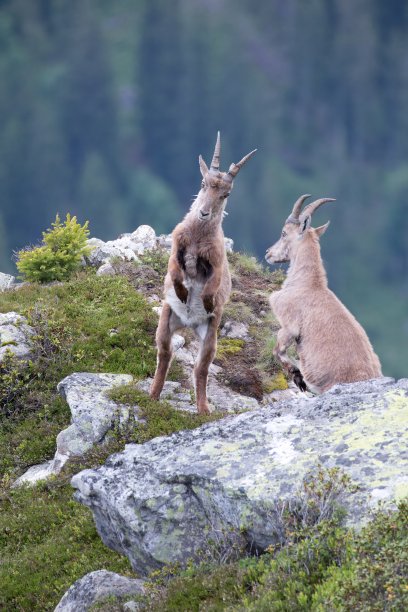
[332, 346]
[198, 282]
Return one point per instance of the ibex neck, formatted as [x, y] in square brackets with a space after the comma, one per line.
[204, 226]
[306, 268]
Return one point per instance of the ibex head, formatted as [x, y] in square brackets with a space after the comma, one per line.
[295, 228]
[216, 186]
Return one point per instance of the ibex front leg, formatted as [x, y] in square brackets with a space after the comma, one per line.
[284, 339]
[166, 328]
[208, 347]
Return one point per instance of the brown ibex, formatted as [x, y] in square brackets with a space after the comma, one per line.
[332, 346]
[198, 282]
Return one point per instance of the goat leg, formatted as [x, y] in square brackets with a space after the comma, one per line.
[210, 289]
[164, 352]
[208, 347]
[298, 378]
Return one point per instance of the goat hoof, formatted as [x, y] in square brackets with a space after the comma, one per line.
[181, 292]
[208, 301]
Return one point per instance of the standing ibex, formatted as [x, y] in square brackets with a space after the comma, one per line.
[332, 346]
[198, 281]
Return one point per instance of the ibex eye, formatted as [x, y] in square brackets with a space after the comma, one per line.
[202, 183]
[283, 233]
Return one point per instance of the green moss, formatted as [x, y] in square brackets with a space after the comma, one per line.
[156, 259]
[276, 383]
[237, 310]
[243, 263]
[228, 346]
[160, 418]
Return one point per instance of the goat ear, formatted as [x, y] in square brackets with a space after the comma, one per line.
[320, 230]
[304, 224]
[203, 166]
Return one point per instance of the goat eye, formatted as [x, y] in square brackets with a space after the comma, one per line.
[202, 184]
[283, 233]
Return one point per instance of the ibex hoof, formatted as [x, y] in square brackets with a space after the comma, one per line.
[208, 301]
[181, 292]
[298, 379]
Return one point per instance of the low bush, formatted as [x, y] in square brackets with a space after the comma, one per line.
[59, 255]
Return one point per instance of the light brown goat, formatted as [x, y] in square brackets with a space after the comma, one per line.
[332, 346]
[198, 281]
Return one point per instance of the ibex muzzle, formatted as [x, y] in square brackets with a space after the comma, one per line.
[198, 281]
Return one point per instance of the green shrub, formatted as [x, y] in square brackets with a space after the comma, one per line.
[59, 255]
[375, 575]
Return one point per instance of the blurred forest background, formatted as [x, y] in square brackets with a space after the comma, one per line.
[106, 105]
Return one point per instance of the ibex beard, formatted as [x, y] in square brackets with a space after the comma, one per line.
[198, 281]
[331, 344]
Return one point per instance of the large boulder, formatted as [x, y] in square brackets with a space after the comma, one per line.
[15, 335]
[95, 587]
[92, 417]
[163, 501]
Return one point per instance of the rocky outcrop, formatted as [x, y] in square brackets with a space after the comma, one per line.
[163, 501]
[93, 415]
[7, 281]
[15, 335]
[96, 587]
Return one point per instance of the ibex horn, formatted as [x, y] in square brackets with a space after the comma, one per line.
[313, 206]
[297, 207]
[235, 168]
[215, 164]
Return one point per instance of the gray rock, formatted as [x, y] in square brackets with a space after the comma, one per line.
[145, 237]
[105, 252]
[165, 241]
[131, 606]
[162, 501]
[106, 269]
[95, 587]
[6, 281]
[15, 335]
[235, 329]
[229, 244]
[93, 415]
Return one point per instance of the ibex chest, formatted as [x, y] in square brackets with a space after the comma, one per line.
[193, 312]
[196, 270]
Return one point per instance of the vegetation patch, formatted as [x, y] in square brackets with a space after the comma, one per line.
[89, 324]
[159, 417]
[318, 565]
[59, 255]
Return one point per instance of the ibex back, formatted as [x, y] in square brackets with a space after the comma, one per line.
[332, 346]
[198, 282]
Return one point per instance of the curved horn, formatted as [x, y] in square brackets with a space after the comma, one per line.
[215, 164]
[235, 168]
[313, 206]
[297, 207]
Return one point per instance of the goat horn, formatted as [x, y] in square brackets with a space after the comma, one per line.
[297, 207]
[235, 168]
[313, 206]
[215, 164]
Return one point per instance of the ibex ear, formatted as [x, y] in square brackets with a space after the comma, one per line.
[203, 166]
[320, 230]
[304, 224]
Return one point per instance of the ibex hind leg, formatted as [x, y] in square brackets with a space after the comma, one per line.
[208, 347]
[168, 324]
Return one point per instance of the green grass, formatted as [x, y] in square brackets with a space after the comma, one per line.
[93, 324]
[324, 567]
[47, 541]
